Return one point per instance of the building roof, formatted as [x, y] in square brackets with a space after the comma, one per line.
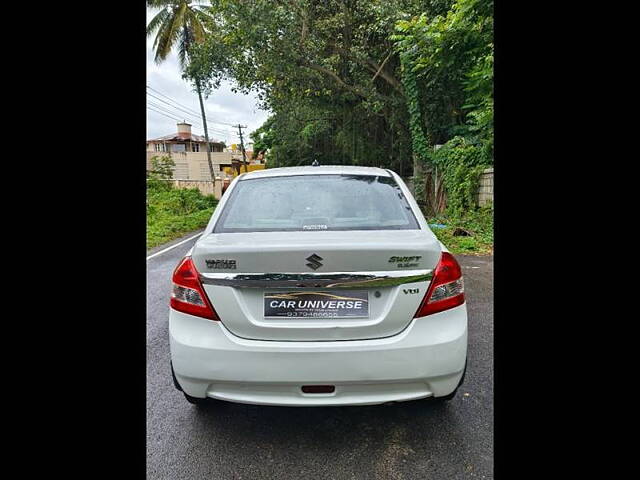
[175, 137]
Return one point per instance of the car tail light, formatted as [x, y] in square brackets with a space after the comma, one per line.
[188, 296]
[446, 290]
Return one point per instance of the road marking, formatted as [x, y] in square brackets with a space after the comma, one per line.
[174, 246]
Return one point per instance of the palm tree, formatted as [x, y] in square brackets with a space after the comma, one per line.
[180, 24]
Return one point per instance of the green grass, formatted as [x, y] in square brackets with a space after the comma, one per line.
[172, 213]
[479, 223]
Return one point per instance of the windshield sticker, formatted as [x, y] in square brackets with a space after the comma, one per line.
[315, 227]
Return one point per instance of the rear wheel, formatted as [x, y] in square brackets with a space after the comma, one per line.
[190, 399]
[175, 380]
[196, 400]
[446, 398]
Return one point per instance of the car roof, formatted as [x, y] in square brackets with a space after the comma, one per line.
[319, 170]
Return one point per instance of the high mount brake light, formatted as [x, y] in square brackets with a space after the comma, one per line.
[446, 290]
[188, 295]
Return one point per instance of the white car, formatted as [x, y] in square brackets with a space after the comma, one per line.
[316, 286]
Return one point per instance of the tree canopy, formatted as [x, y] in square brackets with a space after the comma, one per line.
[363, 82]
[178, 23]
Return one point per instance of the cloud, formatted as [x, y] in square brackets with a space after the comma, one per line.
[222, 105]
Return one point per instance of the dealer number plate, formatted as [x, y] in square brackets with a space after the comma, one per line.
[319, 304]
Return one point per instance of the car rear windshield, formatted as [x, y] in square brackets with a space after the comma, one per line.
[316, 202]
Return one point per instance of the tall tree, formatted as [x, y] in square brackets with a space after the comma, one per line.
[326, 70]
[180, 24]
[364, 82]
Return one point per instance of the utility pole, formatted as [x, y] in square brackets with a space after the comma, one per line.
[244, 155]
[206, 137]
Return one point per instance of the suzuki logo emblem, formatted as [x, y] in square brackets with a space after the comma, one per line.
[314, 261]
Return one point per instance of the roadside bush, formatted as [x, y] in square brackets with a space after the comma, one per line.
[156, 185]
[180, 201]
[161, 167]
[477, 222]
[172, 212]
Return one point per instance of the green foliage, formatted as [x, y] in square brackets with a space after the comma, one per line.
[264, 138]
[478, 222]
[461, 164]
[161, 167]
[327, 72]
[178, 23]
[362, 82]
[448, 77]
[172, 212]
[419, 141]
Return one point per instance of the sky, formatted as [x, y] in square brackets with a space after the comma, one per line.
[222, 105]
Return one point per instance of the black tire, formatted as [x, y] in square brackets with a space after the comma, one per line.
[190, 399]
[446, 398]
[195, 400]
[175, 380]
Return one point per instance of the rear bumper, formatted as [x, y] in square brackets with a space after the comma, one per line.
[426, 359]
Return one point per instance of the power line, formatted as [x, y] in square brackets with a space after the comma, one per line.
[187, 108]
[194, 112]
[219, 132]
[178, 119]
[175, 108]
[168, 110]
[173, 118]
[169, 98]
[195, 122]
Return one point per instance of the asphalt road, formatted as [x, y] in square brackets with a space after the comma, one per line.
[402, 441]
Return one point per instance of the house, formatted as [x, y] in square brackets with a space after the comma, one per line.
[189, 153]
[238, 165]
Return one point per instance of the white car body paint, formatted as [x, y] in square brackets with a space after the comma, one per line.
[388, 356]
